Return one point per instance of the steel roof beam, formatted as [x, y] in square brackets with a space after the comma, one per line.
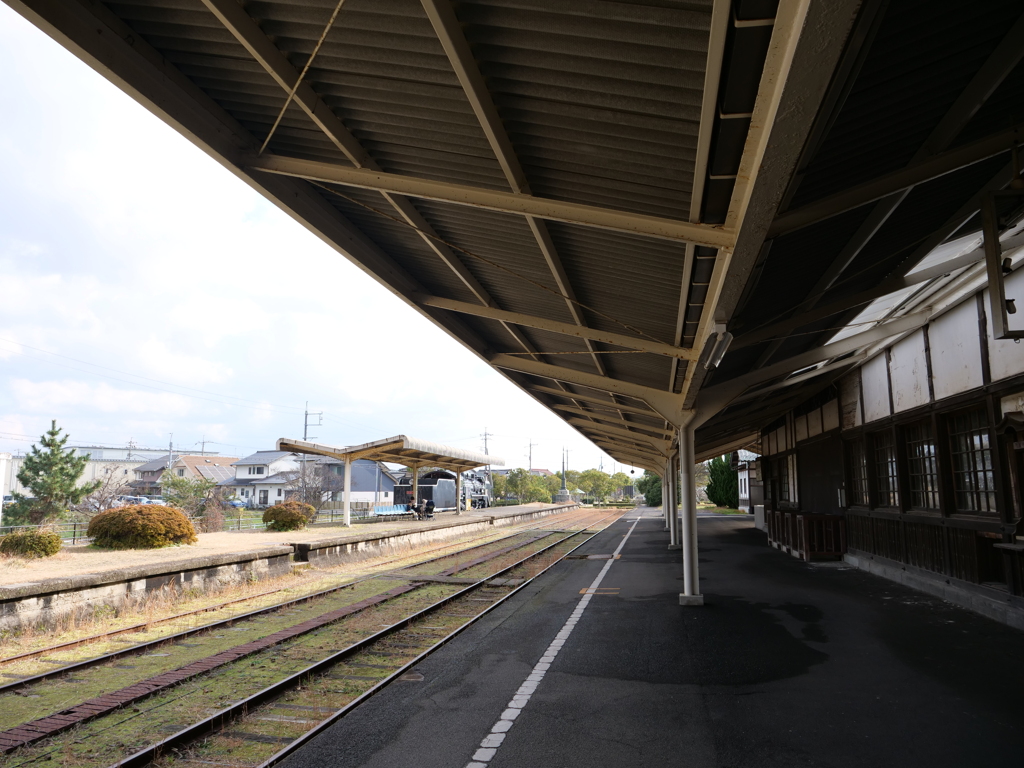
[787, 34]
[554, 326]
[801, 378]
[892, 285]
[596, 401]
[893, 183]
[641, 441]
[714, 399]
[627, 445]
[721, 14]
[639, 431]
[493, 200]
[613, 447]
[612, 417]
[665, 403]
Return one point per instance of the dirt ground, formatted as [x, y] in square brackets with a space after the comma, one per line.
[73, 561]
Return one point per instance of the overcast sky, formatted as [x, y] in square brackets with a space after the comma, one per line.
[144, 291]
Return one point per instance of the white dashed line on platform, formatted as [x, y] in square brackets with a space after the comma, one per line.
[492, 741]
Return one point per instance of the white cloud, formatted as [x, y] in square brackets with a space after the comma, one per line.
[56, 396]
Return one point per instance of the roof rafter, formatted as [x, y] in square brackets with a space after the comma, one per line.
[567, 329]
[721, 13]
[895, 182]
[717, 397]
[787, 33]
[595, 400]
[611, 417]
[669, 405]
[493, 200]
[635, 432]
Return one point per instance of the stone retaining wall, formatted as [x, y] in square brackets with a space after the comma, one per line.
[47, 602]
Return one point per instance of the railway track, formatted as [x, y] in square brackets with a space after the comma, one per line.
[72, 666]
[302, 647]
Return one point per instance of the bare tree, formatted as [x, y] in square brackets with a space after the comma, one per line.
[113, 483]
[315, 483]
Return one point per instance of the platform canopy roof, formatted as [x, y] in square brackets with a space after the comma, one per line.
[400, 449]
[591, 195]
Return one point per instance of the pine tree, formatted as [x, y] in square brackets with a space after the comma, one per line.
[50, 474]
[723, 485]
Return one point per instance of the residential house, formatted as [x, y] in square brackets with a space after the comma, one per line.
[216, 468]
[262, 479]
[147, 476]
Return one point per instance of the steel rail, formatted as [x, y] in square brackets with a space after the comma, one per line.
[227, 715]
[95, 708]
[151, 644]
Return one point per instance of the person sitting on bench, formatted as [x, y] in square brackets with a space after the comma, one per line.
[428, 510]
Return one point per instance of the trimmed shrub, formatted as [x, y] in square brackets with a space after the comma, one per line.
[31, 544]
[288, 516]
[141, 526]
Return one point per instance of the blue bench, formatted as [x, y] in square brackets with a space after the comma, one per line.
[393, 511]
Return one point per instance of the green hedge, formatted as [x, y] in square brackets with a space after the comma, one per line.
[141, 526]
[288, 516]
[31, 544]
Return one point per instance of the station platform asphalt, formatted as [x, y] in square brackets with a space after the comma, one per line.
[787, 664]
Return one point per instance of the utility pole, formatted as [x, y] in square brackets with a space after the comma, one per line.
[530, 449]
[305, 436]
[170, 450]
[487, 471]
[202, 449]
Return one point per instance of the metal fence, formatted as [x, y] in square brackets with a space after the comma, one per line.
[326, 515]
[70, 533]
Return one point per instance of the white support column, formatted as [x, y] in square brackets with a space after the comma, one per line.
[458, 492]
[691, 578]
[415, 484]
[666, 507]
[348, 491]
[672, 502]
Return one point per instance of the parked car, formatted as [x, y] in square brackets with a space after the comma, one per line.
[236, 503]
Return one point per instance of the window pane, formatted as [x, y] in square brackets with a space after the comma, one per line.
[922, 467]
[973, 479]
[885, 470]
[858, 473]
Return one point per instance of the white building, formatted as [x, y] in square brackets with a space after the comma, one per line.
[95, 469]
[751, 488]
[263, 478]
